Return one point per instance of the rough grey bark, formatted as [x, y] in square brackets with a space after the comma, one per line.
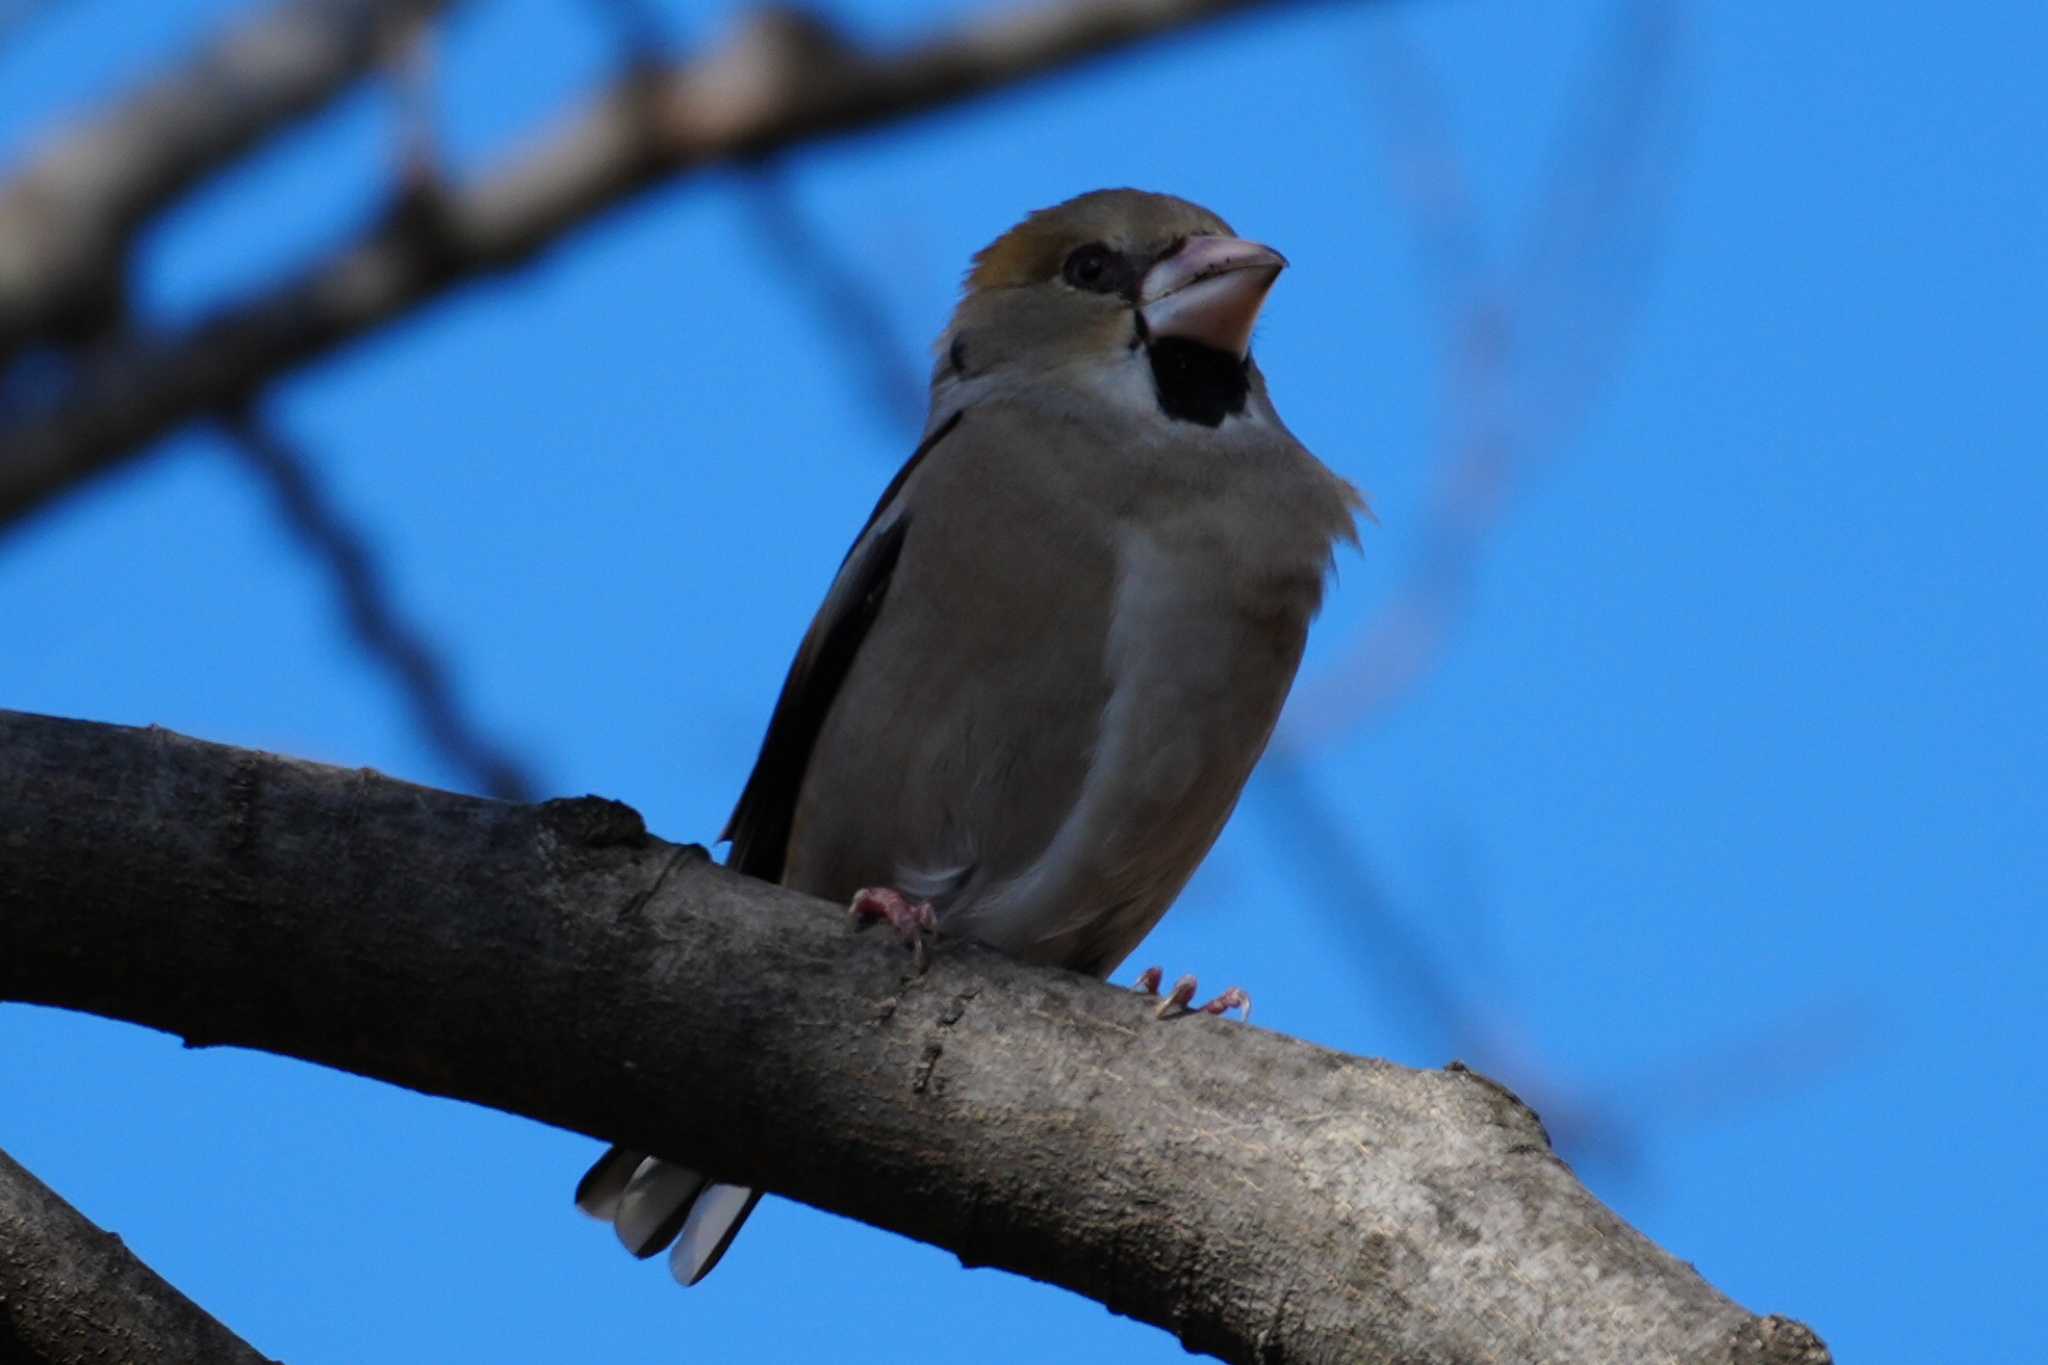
[782, 80]
[71, 1292]
[1261, 1198]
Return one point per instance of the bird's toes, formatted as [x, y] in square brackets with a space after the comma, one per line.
[912, 920]
[1177, 999]
[1180, 1000]
[1235, 998]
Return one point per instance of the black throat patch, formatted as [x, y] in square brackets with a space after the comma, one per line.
[1198, 383]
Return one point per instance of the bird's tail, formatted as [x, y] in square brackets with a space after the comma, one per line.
[651, 1203]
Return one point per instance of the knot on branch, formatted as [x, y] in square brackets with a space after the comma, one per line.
[593, 822]
[1521, 1105]
[1775, 1340]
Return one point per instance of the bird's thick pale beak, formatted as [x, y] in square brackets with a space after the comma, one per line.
[1209, 291]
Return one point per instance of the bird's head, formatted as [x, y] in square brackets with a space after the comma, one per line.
[1089, 287]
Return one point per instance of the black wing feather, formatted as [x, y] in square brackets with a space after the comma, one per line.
[762, 820]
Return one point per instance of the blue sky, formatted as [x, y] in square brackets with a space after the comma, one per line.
[1721, 808]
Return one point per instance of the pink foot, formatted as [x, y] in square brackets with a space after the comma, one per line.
[1180, 999]
[912, 920]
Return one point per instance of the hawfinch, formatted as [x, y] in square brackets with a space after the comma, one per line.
[1061, 640]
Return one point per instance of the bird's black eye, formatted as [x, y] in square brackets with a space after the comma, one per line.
[1094, 267]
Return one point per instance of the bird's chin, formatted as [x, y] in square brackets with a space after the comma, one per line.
[1196, 382]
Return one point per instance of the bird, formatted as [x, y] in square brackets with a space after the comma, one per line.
[1045, 668]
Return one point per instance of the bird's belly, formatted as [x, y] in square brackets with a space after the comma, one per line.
[1195, 683]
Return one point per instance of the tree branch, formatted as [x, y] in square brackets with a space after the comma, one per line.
[1263, 1199]
[783, 79]
[67, 219]
[70, 1292]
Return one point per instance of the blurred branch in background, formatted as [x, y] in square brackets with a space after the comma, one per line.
[1527, 346]
[70, 216]
[1783, 1057]
[846, 303]
[397, 646]
[410, 61]
[16, 16]
[780, 80]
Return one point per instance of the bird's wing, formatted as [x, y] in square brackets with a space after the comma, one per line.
[761, 821]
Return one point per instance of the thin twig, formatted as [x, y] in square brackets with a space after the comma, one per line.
[852, 311]
[400, 647]
[1557, 316]
[1528, 344]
